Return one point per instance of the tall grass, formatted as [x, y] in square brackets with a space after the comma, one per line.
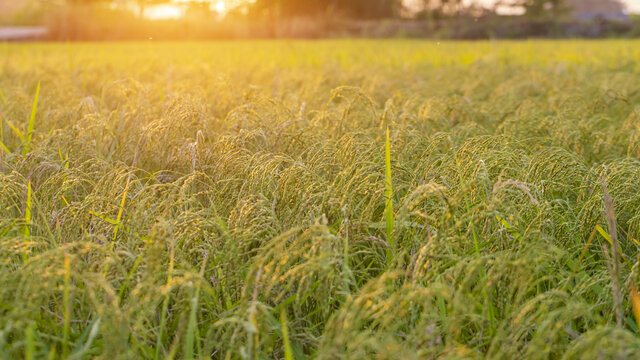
[190, 201]
[31, 124]
[388, 194]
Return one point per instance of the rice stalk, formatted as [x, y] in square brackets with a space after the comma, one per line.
[388, 212]
[485, 241]
[26, 229]
[613, 255]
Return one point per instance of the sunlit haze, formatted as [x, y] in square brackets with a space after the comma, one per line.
[178, 8]
[164, 11]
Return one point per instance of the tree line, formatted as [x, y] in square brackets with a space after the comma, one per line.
[374, 9]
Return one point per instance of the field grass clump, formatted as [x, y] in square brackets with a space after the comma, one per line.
[329, 199]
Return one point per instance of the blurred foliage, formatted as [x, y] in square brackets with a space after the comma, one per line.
[356, 9]
[100, 20]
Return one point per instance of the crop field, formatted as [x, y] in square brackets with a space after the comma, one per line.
[332, 199]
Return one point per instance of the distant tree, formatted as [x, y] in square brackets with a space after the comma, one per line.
[286, 8]
[371, 9]
[437, 9]
[582, 8]
[141, 4]
[362, 9]
[540, 8]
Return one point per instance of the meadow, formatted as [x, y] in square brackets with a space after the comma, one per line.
[337, 199]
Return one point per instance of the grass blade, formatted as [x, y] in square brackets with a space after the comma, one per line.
[614, 258]
[192, 328]
[26, 230]
[388, 194]
[30, 346]
[117, 221]
[4, 148]
[66, 298]
[288, 353]
[91, 335]
[32, 122]
[165, 305]
[121, 208]
[15, 129]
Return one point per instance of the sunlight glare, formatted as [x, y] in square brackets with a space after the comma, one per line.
[165, 11]
[178, 9]
[220, 7]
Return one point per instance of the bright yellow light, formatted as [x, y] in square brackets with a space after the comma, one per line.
[159, 12]
[220, 7]
[178, 9]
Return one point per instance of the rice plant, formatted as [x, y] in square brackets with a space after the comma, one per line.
[327, 199]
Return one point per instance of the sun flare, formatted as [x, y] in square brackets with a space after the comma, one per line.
[220, 7]
[164, 11]
[178, 9]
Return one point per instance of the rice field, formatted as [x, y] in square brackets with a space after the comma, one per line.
[333, 199]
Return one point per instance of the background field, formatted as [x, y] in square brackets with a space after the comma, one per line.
[230, 200]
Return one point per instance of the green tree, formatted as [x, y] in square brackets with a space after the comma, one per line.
[141, 4]
[437, 9]
[361, 9]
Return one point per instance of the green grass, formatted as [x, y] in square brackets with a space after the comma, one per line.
[325, 199]
[388, 194]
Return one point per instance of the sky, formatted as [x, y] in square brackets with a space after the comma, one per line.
[633, 5]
